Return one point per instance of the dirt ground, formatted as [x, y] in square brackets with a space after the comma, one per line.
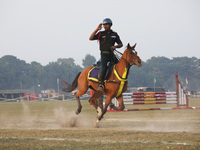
[54, 125]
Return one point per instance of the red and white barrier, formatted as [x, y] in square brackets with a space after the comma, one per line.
[140, 98]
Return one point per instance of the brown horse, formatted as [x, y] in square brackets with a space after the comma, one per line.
[114, 86]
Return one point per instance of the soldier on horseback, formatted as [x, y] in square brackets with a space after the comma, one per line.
[107, 40]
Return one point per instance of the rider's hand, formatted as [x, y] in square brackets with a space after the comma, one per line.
[112, 47]
[99, 27]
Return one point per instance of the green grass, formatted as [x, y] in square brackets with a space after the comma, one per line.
[96, 139]
[34, 125]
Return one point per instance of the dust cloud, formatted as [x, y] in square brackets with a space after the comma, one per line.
[58, 118]
[23, 119]
[28, 119]
[70, 119]
[64, 118]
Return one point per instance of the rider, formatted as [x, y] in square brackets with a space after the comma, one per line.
[107, 41]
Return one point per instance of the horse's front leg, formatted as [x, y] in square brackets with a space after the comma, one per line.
[121, 104]
[99, 104]
[107, 102]
[100, 116]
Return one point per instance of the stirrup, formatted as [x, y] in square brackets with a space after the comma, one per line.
[100, 87]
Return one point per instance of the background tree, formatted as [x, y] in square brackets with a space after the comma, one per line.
[16, 73]
[89, 60]
[64, 69]
[13, 73]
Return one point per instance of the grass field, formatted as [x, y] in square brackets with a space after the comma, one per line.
[46, 125]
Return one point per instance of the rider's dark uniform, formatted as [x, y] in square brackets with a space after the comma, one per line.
[106, 41]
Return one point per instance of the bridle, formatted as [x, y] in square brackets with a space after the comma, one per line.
[132, 59]
[129, 55]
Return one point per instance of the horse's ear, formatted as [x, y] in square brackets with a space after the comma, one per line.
[128, 46]
[134, 46]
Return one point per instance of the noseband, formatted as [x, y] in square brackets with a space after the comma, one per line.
[131, 57]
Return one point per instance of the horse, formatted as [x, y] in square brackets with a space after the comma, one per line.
[113, 87]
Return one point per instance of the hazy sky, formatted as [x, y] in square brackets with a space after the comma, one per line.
[45, 30]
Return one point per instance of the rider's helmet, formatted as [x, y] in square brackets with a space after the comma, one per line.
[107, 21]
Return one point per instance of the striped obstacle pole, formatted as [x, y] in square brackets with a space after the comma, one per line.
[140, 98]
[182, 99]
[147, 98]
[150, 98]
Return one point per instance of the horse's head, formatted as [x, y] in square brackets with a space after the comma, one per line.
[131, 57]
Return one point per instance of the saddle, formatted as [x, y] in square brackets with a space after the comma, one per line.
[93, 73]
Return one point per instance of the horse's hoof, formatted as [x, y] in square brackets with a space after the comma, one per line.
[96, 125]
[78, 112]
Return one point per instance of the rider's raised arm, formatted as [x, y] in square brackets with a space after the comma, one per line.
[95, 31]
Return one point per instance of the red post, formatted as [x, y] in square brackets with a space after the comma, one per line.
[91, 93]
[177, 88]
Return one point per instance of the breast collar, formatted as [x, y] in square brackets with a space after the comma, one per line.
[122, 79]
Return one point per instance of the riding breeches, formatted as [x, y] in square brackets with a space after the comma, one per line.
[105, 59]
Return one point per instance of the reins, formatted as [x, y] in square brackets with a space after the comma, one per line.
[118, 52]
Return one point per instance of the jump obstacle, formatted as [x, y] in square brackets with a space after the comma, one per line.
[139, 98]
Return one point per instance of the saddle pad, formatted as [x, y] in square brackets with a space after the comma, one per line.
[93, 74]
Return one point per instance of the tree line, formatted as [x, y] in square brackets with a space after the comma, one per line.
[17, 74]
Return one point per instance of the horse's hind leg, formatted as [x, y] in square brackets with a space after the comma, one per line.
[77, 94]
[79, 104]
[82, 89]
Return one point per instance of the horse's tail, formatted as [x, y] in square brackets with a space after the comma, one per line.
[71, 87]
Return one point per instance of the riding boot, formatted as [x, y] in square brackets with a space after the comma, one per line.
[100, 83]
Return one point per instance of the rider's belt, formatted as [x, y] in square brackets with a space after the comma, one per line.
[106, 52]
